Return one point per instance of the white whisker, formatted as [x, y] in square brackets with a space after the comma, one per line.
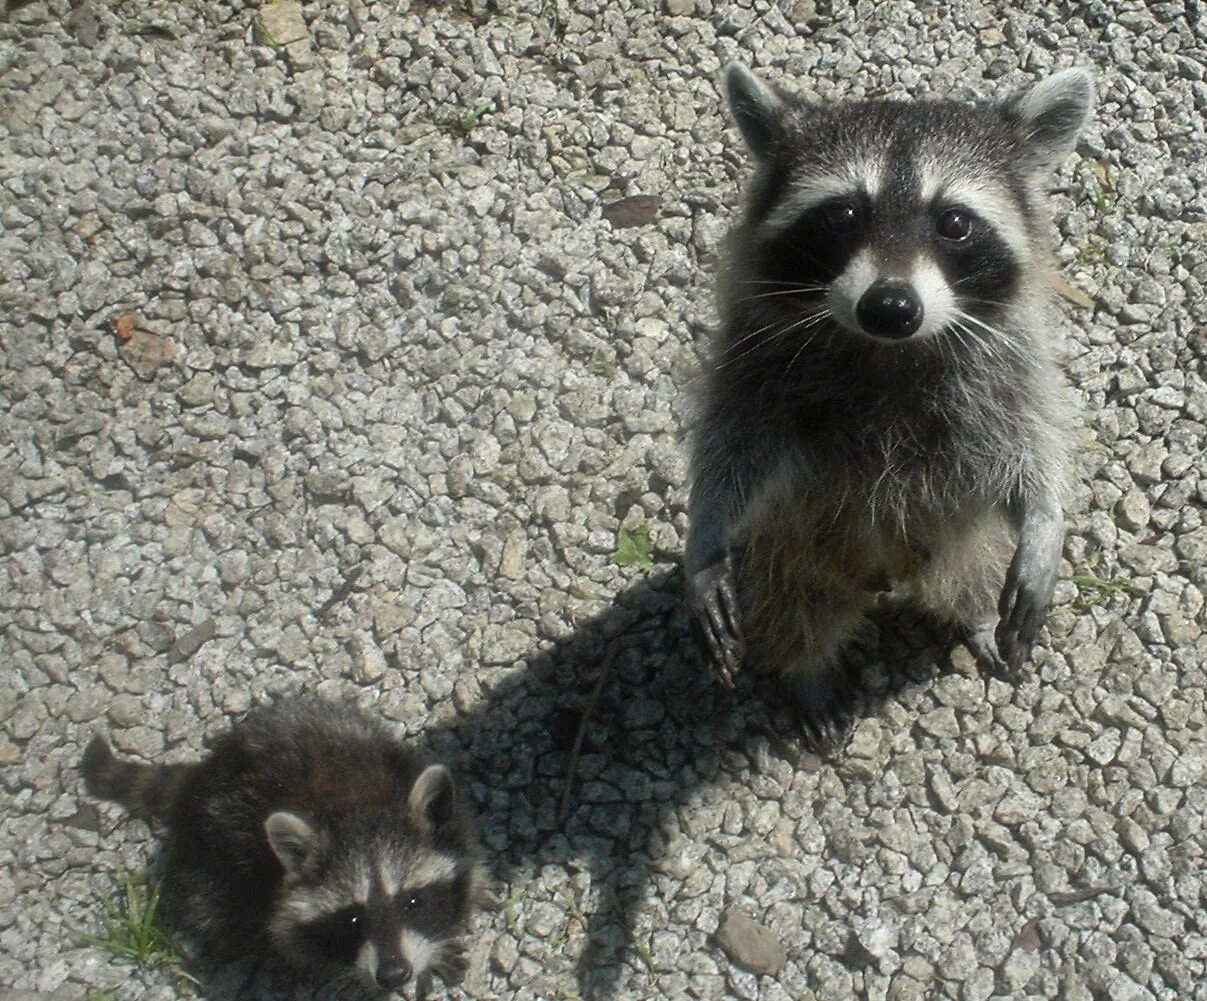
[771, 295]
[729, 357]
[996, 342]
[780, 330]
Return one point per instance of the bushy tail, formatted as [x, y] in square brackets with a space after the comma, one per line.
[147, 791]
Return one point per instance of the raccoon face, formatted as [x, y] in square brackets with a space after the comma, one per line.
[897, 221]
[383, 901]
[402, 928]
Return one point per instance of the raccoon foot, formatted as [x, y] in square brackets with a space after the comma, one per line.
[712, 599]
[1030, 582]
[823, 704]
[982, 645]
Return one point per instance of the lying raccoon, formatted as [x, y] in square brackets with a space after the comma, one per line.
[883, 408]
[310, 831]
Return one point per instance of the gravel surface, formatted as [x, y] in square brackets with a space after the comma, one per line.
[324, 369]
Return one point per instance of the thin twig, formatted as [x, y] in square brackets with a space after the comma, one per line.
[341, 592]
[604, 670]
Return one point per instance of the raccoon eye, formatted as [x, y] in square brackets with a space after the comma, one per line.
[337, 936]
[842, 217]
[954, 224]
[413, 901]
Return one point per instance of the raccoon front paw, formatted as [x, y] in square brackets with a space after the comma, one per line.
[453, 965]
[1022, 607]
[712, 598]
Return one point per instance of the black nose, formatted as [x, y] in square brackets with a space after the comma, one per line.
[393, 974]
[889, 309]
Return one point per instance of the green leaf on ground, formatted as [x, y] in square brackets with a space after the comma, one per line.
[634, 547]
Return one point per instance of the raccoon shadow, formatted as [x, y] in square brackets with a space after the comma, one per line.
[660, 731]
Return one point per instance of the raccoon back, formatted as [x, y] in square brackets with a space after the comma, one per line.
[147, 791]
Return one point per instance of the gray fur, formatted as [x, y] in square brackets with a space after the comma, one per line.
[829, 464]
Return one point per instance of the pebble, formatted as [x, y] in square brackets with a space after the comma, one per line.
[749, 944]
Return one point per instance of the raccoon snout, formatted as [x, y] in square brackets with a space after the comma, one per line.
[889, 309]
[394, 975]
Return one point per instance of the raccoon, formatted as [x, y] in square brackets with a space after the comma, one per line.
[883, 409]
[311, 833]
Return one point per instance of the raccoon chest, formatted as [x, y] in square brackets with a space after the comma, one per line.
[811, 536]
[877, 441]
[886, 429]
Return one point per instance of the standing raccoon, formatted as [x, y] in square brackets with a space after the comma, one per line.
[311, 832]
[883, 408]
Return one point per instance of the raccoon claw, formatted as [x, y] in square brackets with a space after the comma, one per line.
[713, 602]
[1022, 609]
[824, 706]
[983, 646]
[453, 968]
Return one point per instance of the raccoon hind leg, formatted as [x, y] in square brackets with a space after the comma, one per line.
[799, 635]
[961, 583]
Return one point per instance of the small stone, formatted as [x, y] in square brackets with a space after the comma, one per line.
[1103, 748]
[126, 710]
[869, 942]
[1192, 547]
[749, 944]
[82, 23]
[190, 642]
[1152, 917]
[1017, 808]
[328, 485]
[515, 552]
[1188, 769]
[80, 427]
[281, 23]
[1072, 988]
[1134, 511]
[368, 662]
[198, 391]
[1145, 463]
[459, 476]
[944, 792]
[395, 535]
[803, 11]
[234, 567]
[864, 741]
[1020, 966]
[940, 722]
[481, 200]
[270, 354]
[10, 753]
[1179, 630]
[147, 353]
[504, 954]
[680, 8]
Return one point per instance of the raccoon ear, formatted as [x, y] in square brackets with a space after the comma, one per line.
[756, 108]
[292, 840]
[432, 797]
[1050, 115]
